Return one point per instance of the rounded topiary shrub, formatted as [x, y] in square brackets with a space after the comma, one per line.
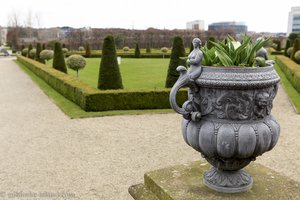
[32, 53]
[65, 50]
[46, 54]
[289, 51]
[164, 50]
[81, 48]
[76, 62]
[126, 49]
[24, 52]
[297, 56]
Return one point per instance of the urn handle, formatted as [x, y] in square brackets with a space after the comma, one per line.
[188, 109]
[180, 83]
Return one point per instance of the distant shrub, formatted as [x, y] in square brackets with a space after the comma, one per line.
[164, 50]
[65, 50]
[277, 44]
[24, 52]
[76, 62]
[126, 49]
[148, 48]
[137, 52]
[46, 54]
[297, 56]
[296, 47]
[287, 46]
[38, 51]
[289, 51]
[87, 50]
[292, 37]
[32, 53]
[29, 49]
[81, 48]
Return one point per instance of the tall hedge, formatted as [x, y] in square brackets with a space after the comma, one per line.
[137, 52]
[148, 48]
[287, 46]
[178, 51]
[38, 51]
[23, 53]
[59, 58]
[109, 72]
[87, 50]
[292, 37]
[29, 49]
[296, 48]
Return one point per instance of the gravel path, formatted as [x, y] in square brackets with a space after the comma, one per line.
[45, 153]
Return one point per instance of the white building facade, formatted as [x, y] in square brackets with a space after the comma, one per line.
[294, 20]
[195, 25]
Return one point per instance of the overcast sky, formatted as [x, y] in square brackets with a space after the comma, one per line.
[258, 15]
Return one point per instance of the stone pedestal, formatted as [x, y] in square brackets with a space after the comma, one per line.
[185, 182]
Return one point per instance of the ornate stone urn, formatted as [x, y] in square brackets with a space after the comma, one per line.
[227, 118]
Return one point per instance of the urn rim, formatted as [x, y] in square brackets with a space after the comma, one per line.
[237, 77]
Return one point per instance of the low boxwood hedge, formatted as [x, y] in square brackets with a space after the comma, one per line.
[91, 99]
[290, 69]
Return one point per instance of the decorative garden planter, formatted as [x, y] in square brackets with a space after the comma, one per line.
[227, 118]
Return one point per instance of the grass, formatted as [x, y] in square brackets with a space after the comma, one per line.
[74, 111]
[136, 73]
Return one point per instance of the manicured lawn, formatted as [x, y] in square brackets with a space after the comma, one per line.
[136, 73]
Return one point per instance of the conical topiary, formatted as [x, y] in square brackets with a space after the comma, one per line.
[287, 46]
[38, 51]
[148, 48]
[177, 52]
[29, 49]
[87, 50]
[58, 58]
[137, 52]
[109, 72]
[296, 48]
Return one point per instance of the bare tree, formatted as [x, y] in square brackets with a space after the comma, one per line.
[13, 30]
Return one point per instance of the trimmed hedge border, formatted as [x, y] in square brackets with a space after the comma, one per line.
[92, 99]
[290, 69]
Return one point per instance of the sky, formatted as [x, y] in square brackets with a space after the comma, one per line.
[258, 15]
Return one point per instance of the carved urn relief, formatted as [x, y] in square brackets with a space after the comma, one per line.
[227, 118]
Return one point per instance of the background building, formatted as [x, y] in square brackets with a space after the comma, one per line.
[195, 25]
[236, 27]
[294, 20]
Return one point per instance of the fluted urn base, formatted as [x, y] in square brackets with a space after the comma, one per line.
[227, 181]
